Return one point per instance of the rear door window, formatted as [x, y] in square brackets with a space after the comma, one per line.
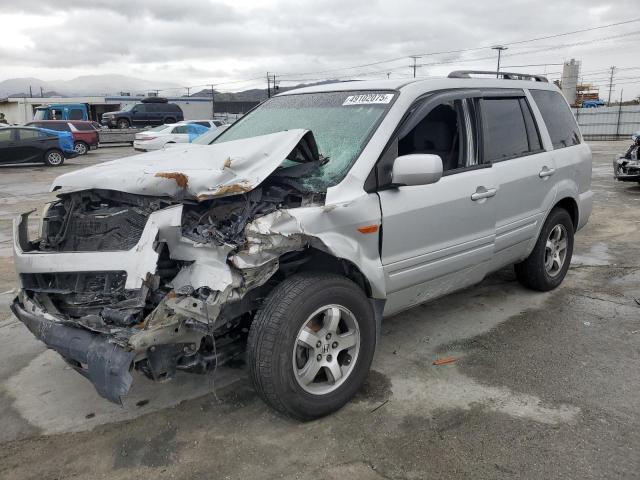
[25, 134]
[557, 116]
[504, 128]
[5, 134]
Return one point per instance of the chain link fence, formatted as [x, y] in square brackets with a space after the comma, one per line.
[608, 123]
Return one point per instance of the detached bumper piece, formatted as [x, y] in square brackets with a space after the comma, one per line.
[106, 365]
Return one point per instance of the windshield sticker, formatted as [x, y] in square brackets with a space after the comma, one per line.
[368, 99]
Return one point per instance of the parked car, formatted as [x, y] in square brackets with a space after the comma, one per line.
[157, 137]
[305, 223]
[151, 111]
[30, 145]
[85, 135]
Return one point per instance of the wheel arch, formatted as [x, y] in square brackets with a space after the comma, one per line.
[571, 206]
[315, 260]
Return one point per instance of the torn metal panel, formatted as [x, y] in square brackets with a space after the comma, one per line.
[332, 228]
[198, 172]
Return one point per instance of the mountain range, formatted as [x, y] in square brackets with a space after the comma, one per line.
[97, 85]
[85, 85]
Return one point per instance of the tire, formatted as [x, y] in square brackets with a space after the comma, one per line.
[539, 271]
[278, 358]
[53, 158]
[123, 123]
[169, 120]
[81, 148]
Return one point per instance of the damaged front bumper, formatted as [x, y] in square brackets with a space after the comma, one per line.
[105, 352]
[107, 365]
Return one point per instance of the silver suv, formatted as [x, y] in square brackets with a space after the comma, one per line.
[299, 228]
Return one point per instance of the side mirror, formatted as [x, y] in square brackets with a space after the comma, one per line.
[416, 169]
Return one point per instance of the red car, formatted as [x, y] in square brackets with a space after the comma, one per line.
[85, 135]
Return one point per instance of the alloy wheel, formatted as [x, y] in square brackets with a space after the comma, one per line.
[326, 349]
[555, 252]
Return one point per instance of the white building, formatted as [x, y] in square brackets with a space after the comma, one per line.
[21, 110]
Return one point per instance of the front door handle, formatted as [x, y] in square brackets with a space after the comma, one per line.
[482, 192]
[546, 172]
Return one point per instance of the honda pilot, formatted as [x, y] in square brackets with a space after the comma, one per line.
[294, 233]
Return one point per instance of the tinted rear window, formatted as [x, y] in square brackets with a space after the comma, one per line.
[172, 107]
[84, 127]
[505, 132]
[560, 122]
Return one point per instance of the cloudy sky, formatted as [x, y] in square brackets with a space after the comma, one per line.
[232, 43]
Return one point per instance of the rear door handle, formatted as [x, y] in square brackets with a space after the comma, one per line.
[482, 192]
[546, 172]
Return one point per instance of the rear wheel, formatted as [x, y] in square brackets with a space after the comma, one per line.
[81, 148]
[54, 158]
[169, 120]
[549, 261]
[311, 345]
[123, 123]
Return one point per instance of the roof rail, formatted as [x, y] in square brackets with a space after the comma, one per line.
[504, 75]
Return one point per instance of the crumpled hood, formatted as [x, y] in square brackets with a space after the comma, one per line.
[195, 171]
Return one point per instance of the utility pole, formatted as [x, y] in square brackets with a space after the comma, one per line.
[275, 87]
[415, 59]
[499, 48]
[41, 92]
[268, 85]
[30, 92]
[613, 69]
[188, 91]
[619, 114]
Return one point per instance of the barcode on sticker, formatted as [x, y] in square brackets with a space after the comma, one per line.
[368, 99]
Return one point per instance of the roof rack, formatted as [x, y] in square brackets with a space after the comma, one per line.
[504, 75]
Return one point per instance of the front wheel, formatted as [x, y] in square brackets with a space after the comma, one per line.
[311, 345]
[546, 266]
[123, 123]
[54, 158]
[81, 148]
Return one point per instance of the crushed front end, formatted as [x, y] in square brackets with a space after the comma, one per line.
[117, 281]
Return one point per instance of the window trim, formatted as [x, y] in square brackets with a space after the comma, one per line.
[421, 106]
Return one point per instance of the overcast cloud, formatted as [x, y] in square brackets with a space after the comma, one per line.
[201, 41]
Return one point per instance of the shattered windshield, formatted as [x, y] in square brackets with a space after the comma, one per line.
[341, 123]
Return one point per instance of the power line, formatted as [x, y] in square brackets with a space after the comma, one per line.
[464, 50]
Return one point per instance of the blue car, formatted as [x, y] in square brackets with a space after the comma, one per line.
[28, 145]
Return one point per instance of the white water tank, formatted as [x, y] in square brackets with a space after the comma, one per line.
[570, 73]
